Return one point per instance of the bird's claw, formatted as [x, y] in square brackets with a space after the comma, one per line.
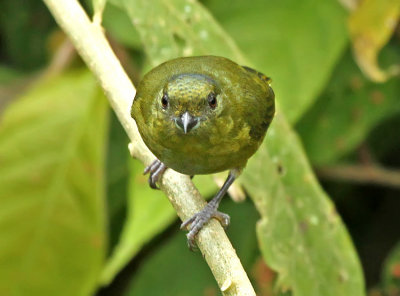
[156, 169]
[198, 220]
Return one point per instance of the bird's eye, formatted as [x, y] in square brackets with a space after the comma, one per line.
[164, 101]
[212, 100]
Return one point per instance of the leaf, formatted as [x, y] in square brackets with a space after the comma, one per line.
[117, 178]
[120, 27]
[177, 28]
[300, 234]
[350, 107]
[391, 272]
[371, 26]
[51, 189]
[172, 28]
[149, 212]
[297, 43]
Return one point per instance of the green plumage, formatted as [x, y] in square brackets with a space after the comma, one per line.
[226, 135]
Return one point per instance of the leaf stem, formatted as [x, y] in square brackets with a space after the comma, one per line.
[90, 42]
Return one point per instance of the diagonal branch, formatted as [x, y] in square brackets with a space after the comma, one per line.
[89, 40]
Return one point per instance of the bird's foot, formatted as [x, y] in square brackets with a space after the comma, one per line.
[198, 220]
[156, 170]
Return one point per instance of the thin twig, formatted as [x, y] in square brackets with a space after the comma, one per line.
[61, 59]
[91, 44]
[371, 174]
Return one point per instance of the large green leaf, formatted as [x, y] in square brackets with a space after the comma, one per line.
[346, 112]
[173, 28]
[51, 189]
[300, 233]
[177, 28]
[118, 24]
[149, 212]
[295, 42]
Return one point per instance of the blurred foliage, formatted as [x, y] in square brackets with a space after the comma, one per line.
[146, 217]
[52, 214]
[120, 27]
[391, 273]
[24, 28]
[7, 75]
[68, 187]
[371, 26]
[348, 109]
[117, 178]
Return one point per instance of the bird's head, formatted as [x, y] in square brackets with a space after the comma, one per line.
[190, 100]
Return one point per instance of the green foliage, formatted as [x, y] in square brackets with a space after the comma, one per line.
[149, 212]
[391, 272]
[347, 111]
[117, 178]
[301, 235]
[117, 22]
[15, 17]
[7, 75]
[63, 167]
[177, 28]
[51, 194]
[295, 42]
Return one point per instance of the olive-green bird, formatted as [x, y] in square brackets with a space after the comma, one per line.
[202, 115]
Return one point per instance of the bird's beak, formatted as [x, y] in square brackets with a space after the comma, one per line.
[186, 122]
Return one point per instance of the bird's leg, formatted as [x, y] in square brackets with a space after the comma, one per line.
[210, 211]
[156, 169]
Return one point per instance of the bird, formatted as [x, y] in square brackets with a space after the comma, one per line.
[202, 115]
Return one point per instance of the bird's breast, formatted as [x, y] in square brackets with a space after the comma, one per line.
[223, 145]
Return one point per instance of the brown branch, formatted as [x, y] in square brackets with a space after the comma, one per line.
[362, 174]
[62, 58]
